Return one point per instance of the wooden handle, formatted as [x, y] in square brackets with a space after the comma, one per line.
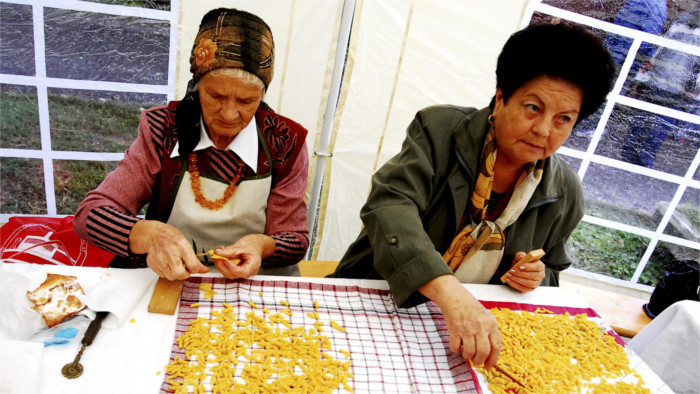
[528, 258]
[166, 296]
[511, 377]
[93, 328]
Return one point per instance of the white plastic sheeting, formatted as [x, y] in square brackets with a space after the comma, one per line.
[404, 56]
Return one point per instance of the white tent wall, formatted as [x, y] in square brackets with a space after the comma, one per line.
[404, 56]
[305, 33]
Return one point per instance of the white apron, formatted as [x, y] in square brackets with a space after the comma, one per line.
[244, 213]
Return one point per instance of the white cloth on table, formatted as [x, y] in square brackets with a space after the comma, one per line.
[132, 357]
[670, 345]
[21, 367]
[132, 341]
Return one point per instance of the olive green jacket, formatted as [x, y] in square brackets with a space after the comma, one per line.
[419, 197]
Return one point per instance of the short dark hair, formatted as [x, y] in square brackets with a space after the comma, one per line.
[560, 51]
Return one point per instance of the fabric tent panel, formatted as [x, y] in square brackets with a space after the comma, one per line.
[309, 64]
[457, 68]
[447, 55]
[339, 233]
[377, 39]
[304, 31]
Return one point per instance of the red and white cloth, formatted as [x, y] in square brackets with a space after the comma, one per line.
[393, 350]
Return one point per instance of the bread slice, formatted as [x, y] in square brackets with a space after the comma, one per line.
[58, 298]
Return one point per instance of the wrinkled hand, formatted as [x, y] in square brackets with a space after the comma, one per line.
[250, 250]
[170, 254]
[525, 277]
[473, 329]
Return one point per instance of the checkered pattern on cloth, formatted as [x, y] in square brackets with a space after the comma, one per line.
[393, 350]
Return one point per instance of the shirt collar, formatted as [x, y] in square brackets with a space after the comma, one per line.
[245, 144]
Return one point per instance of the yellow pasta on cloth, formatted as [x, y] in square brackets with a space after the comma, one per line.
[560, 353]
[269, 335]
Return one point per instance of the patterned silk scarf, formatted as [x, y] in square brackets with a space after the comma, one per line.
[476, 251]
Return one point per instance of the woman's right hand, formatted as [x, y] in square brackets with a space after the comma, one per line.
[473, 329]
[170, 254]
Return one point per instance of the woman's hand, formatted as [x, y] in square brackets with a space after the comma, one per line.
[473, 329]
[250, 250]
[525, 277]
[170, 254]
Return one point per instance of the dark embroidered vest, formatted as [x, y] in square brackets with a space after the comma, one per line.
[283, 137]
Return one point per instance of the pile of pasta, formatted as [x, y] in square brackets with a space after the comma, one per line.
[263, 353]
[552, 353]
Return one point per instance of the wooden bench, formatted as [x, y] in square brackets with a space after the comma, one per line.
[622, 312]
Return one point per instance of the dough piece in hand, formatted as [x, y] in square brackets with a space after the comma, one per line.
[533, 255]
[58, 298]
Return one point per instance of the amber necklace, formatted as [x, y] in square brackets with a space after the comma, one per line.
[197, 186]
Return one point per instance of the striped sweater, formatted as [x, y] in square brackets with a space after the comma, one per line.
[108, 213]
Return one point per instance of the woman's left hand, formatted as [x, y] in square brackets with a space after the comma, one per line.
[249, 250]
[525, 277]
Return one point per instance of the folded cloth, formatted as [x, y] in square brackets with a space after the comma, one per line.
[20, 363]
[19, 321]
[670, 346]
[118, 293]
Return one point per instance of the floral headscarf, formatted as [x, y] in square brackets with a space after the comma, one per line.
[230, 38]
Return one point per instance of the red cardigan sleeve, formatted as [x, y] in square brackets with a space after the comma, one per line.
[108, 213]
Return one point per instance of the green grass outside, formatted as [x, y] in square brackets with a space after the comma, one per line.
[19, 118]
[73, 179]
[22, 186]
[79, 124]
[613, 253]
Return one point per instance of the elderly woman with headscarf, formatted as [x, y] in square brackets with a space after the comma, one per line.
[219, 169]
[473, 190]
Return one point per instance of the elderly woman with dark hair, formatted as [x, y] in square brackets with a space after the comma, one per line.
[217, 168]
[473, 190]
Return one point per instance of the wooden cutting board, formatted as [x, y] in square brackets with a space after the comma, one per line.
[166, 296]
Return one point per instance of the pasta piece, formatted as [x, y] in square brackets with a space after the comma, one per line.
[337, 326]
[207, 290]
